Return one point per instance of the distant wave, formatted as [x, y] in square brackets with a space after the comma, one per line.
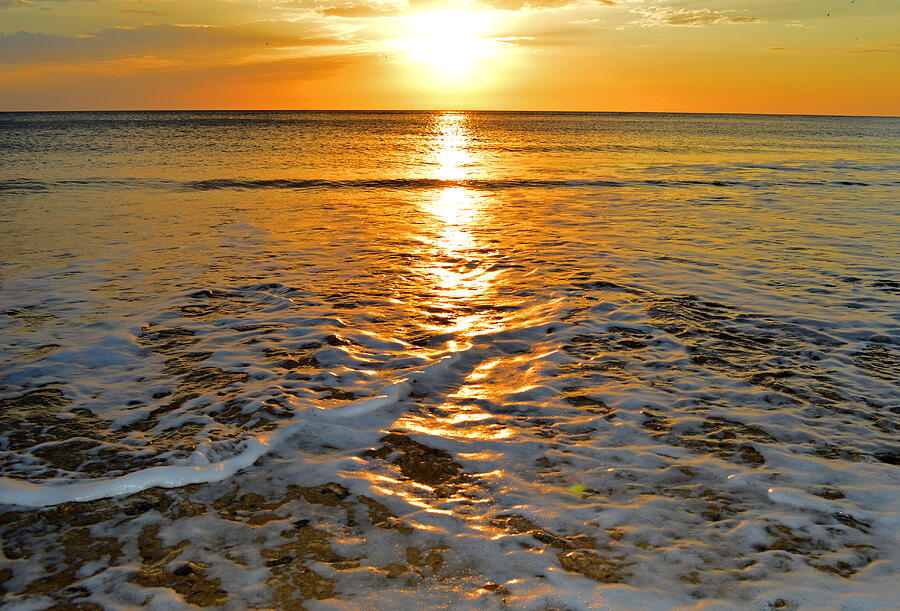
[484, 184]
[29, 185]
[391, 183]
[22, 184]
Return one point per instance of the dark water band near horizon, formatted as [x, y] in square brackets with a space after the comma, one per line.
[337, 360]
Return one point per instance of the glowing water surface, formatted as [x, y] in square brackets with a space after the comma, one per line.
[477, 360]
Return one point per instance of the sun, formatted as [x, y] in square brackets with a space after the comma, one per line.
[451, 42]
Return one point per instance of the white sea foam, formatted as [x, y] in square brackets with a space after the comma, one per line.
[599, 342]
[19, 492]
[48, 493]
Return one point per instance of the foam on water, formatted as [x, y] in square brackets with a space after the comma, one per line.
[453, 361]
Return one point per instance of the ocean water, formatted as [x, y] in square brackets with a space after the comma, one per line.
[449, 360]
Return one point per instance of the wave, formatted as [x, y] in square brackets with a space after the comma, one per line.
[23, 184]
[388, 183]
[14, 491]
[489, 184]
[27, 185]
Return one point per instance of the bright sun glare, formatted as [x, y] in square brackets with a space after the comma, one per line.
[451, 41]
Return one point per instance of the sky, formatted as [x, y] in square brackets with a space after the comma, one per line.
[765, 56]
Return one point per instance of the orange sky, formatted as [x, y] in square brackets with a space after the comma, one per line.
[817, 57]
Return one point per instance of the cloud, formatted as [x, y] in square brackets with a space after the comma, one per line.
[654, 16]
[138, 11]
[353, 10]
[146, 62]
[18, 3]
[882, 48]
[871, 48]
[517, 5]
[358, 11]
[208, 42]
[282, 83]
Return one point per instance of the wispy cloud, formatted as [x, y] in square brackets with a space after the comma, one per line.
[358, 11]
[368, 10]
[876, 48]
[869, 48]
[655, 16]
[20, 3]
[144, 82]
[139, 11]
[181, 41]
[519, 5]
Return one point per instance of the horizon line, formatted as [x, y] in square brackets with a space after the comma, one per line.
[450, 110]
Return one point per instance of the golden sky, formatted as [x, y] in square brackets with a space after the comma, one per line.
[767, 56]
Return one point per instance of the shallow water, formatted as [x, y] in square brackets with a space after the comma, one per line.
[387, 360]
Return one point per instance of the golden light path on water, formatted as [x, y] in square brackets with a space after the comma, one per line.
[460, 279]
[450, 360]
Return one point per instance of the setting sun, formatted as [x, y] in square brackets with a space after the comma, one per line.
[450, 41]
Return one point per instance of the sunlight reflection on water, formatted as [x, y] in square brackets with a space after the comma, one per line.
[460, 278]
[451, 259]
[579, 354]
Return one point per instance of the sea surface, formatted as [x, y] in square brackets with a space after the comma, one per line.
[342, 360]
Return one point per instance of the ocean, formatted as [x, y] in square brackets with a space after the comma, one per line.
[449, 360]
